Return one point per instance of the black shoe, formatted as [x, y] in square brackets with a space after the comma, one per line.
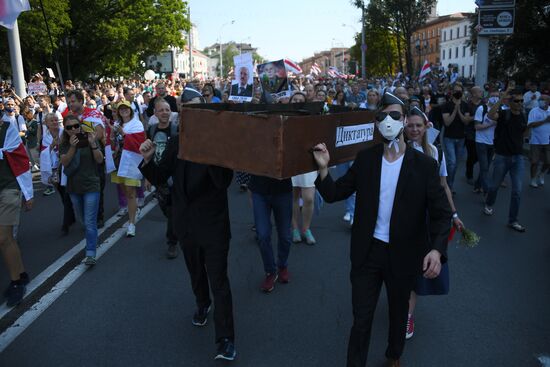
[14, 294]
[226, 350]
[23, 279]
[200, 317]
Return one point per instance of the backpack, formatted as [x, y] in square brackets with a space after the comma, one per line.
[152, 130]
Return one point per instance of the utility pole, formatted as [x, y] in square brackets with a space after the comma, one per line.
[16, 61]
[363, 45]
[190, 33]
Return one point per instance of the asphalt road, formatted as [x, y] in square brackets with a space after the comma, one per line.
[135, 307]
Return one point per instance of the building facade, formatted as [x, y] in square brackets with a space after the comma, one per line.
[338, 57]
[425, 42]
[455, 53]
[200, 63]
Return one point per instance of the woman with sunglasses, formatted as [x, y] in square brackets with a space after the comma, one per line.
[415, 134]
[80, 155]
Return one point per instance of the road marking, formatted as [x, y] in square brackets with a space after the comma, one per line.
[37, 281]
[544, 360]
[25, 320]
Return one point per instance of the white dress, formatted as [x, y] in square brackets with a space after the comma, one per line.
[304, 180]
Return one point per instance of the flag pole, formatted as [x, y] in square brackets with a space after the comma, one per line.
[18, 77]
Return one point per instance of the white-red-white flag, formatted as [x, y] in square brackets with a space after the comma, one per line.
[134, 136]
[10, 10]
[292, 67]
[425, 70]
[13, 151]
[315, 69]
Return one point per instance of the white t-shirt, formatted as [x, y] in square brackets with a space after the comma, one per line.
[388, 184]
[539, 135]
[435, 155]
[485, 136]
[528, 102]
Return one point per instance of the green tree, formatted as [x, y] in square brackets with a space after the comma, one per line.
[524, 54]
[36, 47]
[113, 38]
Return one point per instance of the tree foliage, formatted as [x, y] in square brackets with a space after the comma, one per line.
[101, 37]
[524, 54]
[399, 18]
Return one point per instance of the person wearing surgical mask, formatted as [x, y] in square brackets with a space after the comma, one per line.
[539, 123]
[400, 203]
[456, 115]
[485, 133]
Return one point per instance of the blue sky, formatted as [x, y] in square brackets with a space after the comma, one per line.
[293, 29]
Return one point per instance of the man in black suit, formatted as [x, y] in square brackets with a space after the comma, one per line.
[402, 221]
[242, 88]
[200, 213]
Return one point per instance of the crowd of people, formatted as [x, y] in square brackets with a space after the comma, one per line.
[78, 137]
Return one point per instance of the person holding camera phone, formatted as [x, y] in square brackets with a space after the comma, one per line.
[80, 155]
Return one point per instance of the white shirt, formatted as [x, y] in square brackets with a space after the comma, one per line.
[389, 176]
[435, 155]
[485, 136]
[529, 103]
[539, 135]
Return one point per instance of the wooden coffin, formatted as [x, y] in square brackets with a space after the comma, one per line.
[272, 140]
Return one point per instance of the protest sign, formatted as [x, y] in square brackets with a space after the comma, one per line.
[242, 87]
[37, 88]
[273, 78]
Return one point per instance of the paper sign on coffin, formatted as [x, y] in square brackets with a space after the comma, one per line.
[272, 140]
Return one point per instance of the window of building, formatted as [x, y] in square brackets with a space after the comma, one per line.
[456, 52]
[458, 32]
[450, 34]
[444, 36]
[443, 55]
[471, 70]
[450, 53]
[471, 51]
[465, 31]
[464, 51]
[462, 70]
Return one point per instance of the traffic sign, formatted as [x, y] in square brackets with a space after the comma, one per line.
[496, 21]
[496, 3]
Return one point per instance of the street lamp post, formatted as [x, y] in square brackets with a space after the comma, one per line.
[221, 47]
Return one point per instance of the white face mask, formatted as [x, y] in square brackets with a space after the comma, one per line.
[390, 128]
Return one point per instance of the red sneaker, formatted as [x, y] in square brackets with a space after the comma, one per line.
[284, 275]
[269, 282]
[410, 327]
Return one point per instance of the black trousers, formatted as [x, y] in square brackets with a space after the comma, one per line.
[68, 211]
[171, 237]
[366, 282]
[207, 266]
[471, 158]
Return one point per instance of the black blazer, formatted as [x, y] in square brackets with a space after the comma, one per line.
[421, 215]
[247, 90]
[199, 195]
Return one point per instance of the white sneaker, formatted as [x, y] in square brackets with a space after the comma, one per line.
[541, 179]
[122, 212]
[347, 217]
[138, 213]
[534, 183]
[131, 231]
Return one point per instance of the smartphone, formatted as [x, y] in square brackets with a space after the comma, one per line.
[82, 140]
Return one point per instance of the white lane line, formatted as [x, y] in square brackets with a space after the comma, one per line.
[544, 360]
[37, 281]
[25, 320]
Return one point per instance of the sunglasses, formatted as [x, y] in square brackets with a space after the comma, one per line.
[72, 127]
[381, 116]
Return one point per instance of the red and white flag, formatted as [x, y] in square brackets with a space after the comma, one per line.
[315, 69]
[425, 70]
[48, 158]
[334, 72]
[134, 136]
[292, 67]
[13, 151]
[10, 10]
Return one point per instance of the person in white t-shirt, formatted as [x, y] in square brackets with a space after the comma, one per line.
[539, 123]
[530, 98]
[415, 133]
[400, 203]
[485, 133]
